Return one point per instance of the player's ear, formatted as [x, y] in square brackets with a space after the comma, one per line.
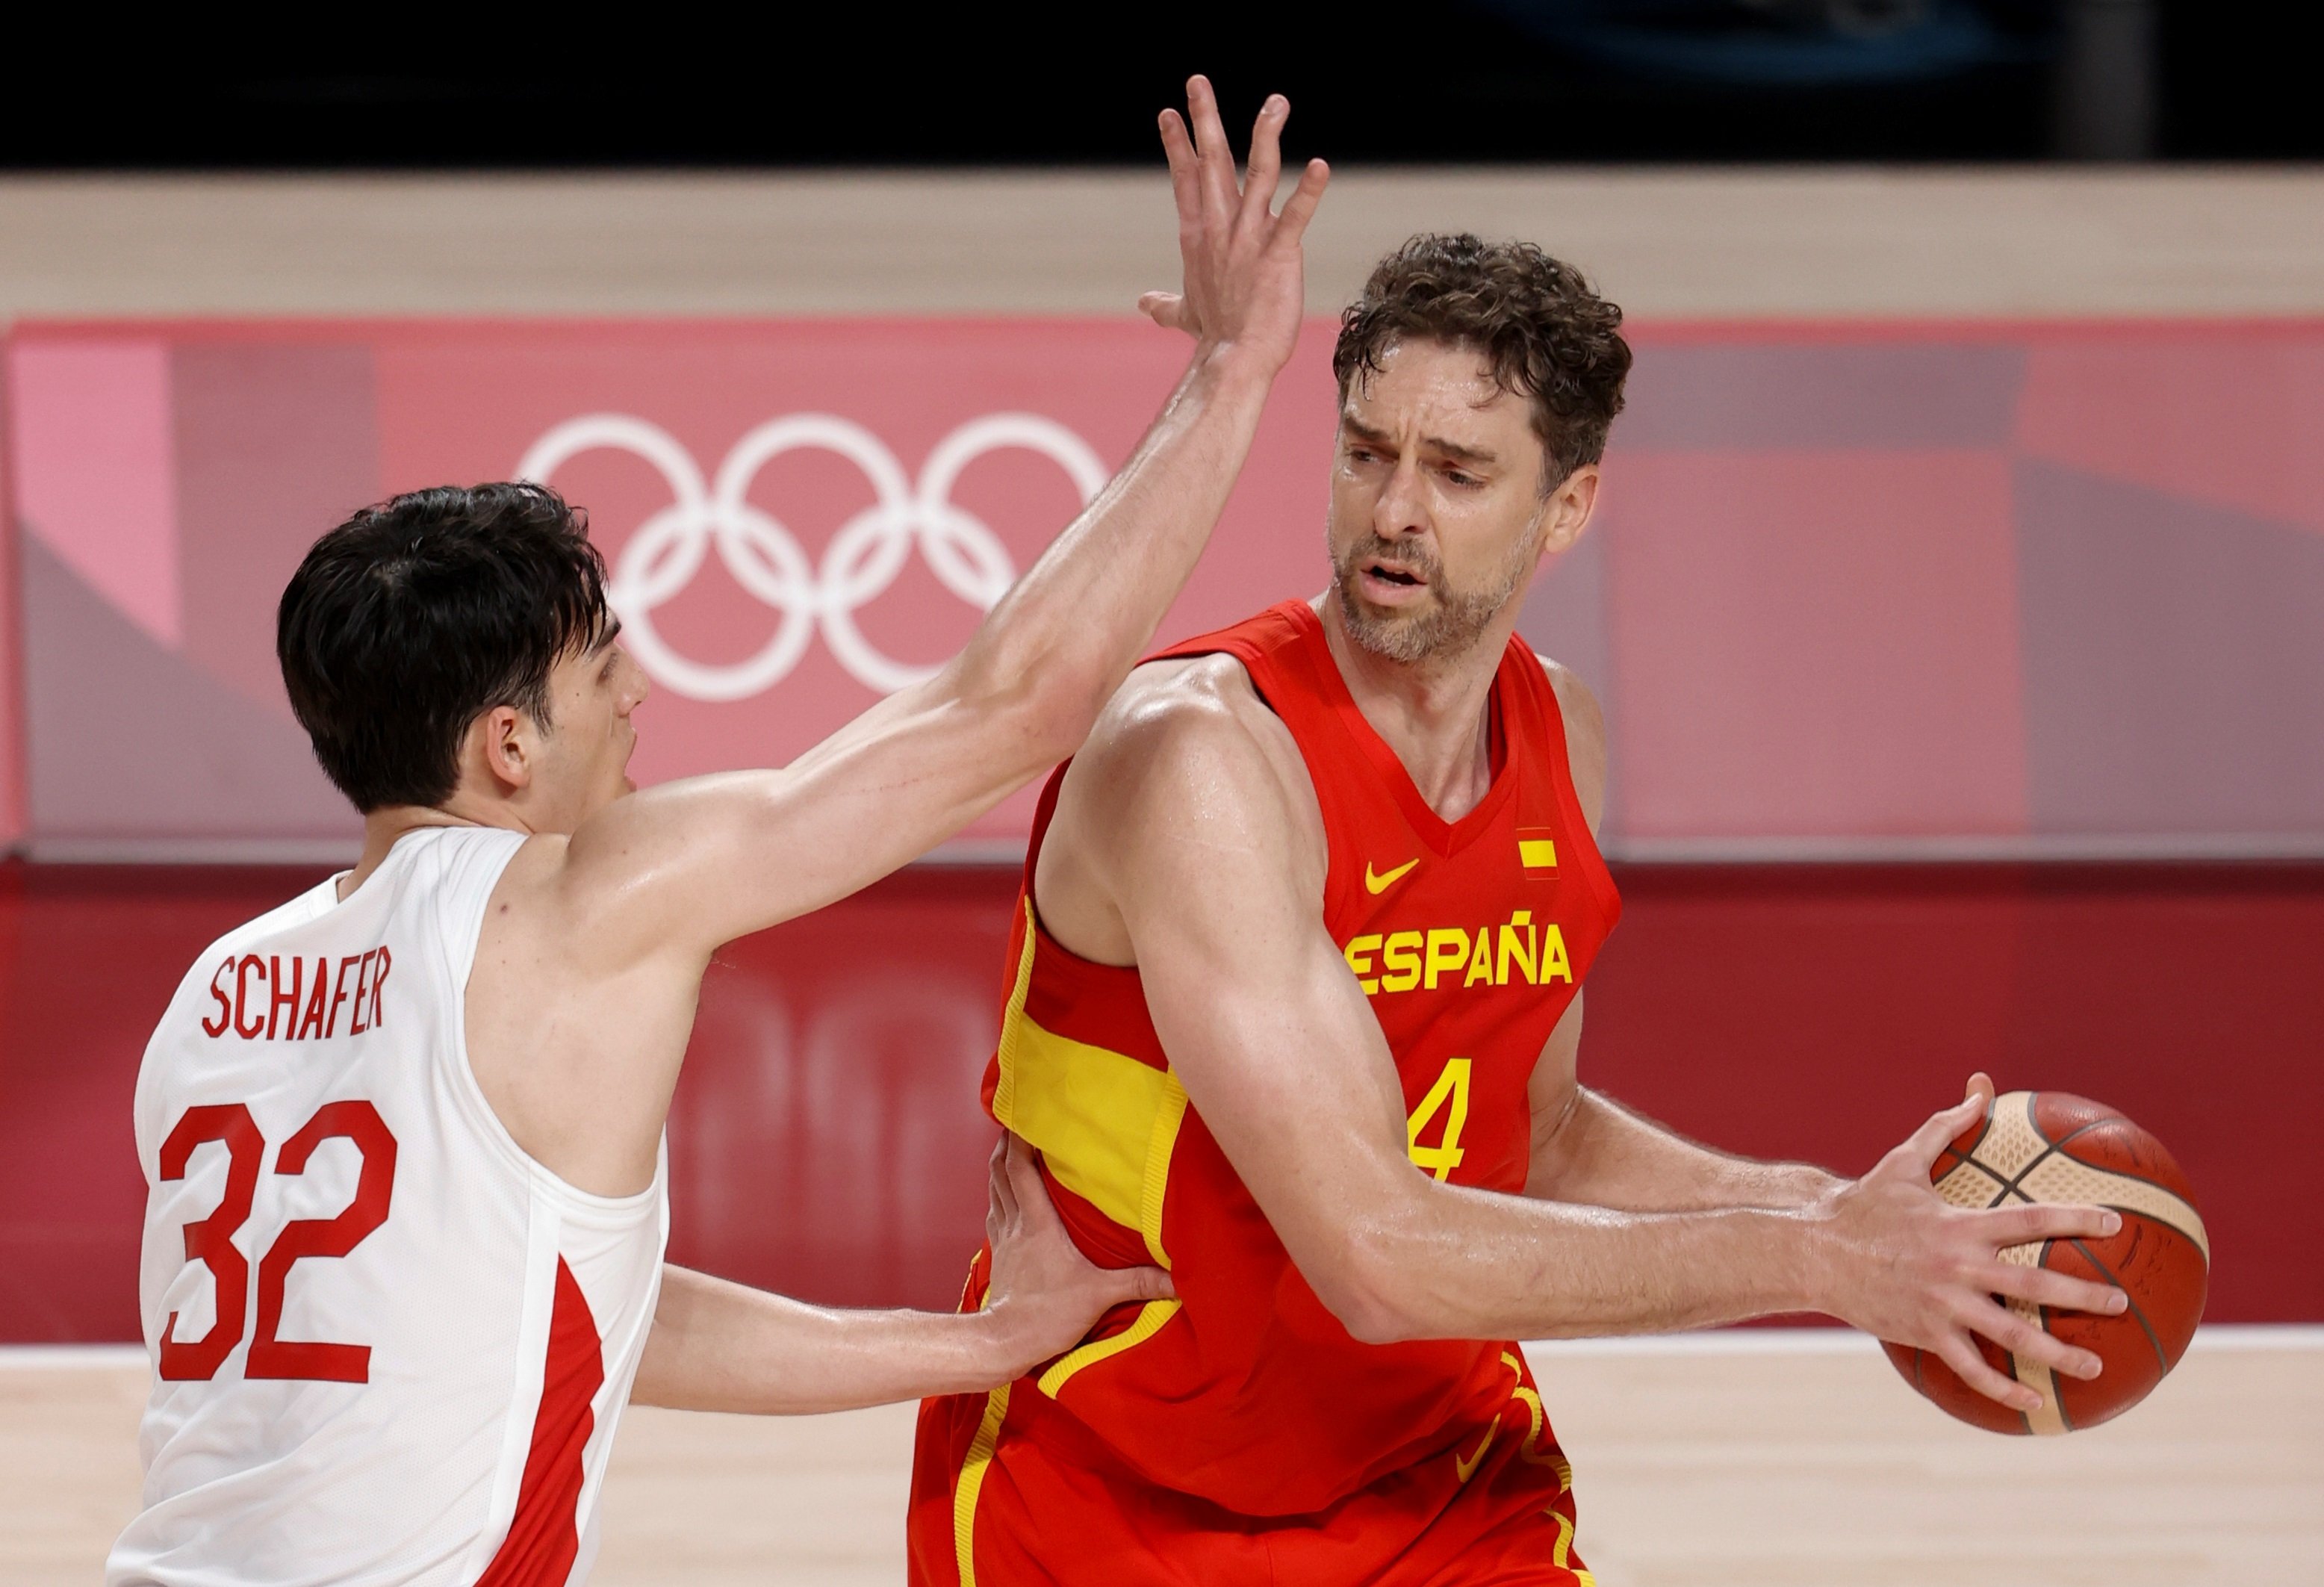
[1566, 513]
[502, 739]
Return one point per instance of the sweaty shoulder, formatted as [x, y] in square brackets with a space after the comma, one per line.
[1585, 737]
[1187, 769]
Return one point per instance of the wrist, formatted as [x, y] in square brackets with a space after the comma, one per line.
[1813, 1189]
[1813, 1261]
[1237, 366]
[1000, 1348]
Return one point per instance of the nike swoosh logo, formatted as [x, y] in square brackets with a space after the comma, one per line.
[1468, 1468]
[1377, 884]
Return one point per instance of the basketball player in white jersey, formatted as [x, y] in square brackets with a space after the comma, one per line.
[402, 1254]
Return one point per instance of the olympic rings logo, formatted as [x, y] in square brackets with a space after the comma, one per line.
[766, 559]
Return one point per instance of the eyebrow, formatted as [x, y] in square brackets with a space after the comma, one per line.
[1453, 450]
[612, 631]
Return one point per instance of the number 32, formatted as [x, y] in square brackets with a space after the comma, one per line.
[210, 1241]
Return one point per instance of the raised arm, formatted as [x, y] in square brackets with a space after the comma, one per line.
[697, 862]
[1210, 856]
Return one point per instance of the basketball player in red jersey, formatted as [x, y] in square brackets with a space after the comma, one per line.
[1293, 1009]
[403, 1135]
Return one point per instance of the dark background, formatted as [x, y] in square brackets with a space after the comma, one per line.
[1446, 80]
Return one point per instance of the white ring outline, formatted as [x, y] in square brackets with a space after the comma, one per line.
[863, 559]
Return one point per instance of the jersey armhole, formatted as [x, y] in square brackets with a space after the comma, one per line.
[470, 879]
[1569, 796]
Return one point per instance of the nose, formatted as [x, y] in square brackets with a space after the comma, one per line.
[1401, 508]
[635, 685]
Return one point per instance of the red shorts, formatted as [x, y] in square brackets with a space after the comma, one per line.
[1008, 1490]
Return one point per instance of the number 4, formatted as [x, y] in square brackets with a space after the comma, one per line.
[1452, 1088]
[210, 1241]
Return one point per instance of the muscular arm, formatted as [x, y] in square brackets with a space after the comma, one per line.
[1210, 853]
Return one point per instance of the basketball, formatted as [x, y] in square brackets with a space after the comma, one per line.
[2046, 1146]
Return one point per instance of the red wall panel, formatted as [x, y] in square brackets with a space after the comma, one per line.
[12, 692]
[826, 1140]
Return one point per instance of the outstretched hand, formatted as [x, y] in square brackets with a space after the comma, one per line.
[1905, 1267]
[1044, 1291]
[1244, 284]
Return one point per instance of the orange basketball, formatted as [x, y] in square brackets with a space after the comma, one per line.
[2045, 1146]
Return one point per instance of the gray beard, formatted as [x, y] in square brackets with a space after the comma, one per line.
[1450, 628]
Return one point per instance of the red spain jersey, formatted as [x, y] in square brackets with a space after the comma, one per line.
[1245, 1393]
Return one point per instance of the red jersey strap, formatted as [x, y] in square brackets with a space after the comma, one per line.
[1290, 664]
[1281, 649]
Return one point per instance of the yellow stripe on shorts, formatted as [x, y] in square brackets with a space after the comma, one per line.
[1150, 1322]
[971, 1479]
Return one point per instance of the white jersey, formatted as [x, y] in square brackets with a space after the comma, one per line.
[389, 1347]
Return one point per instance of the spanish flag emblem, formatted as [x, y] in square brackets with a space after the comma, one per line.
[1537, 850]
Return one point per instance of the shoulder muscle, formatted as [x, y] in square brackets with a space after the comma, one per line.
[1188, 778]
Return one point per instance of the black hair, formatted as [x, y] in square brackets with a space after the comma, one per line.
[417, 614]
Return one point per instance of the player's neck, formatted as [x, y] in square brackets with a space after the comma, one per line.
[383, 826]
[1433, 712]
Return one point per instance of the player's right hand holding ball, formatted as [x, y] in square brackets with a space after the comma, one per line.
[1046, 1296]
[1898, 1262]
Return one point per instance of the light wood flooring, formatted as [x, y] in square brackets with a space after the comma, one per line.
[1761, 1458]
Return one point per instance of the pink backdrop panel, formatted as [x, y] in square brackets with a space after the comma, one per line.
[2232, 416]
[2056, 584]
[95, 469]
[799, 515]
[12, 671]
[1815, 643]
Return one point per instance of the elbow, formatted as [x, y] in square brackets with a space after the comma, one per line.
[1044, 705]
[1359, 1284]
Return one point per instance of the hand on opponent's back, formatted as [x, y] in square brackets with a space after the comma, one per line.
[1046, 1296]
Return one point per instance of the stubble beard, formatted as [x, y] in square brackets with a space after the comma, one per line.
[1451, 626]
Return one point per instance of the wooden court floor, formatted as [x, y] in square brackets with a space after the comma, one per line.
[1738, 1461]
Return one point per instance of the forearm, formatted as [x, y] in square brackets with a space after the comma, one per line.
[1602, 1154]
[718, 1346]
[1072, 628]
[1469, 1264]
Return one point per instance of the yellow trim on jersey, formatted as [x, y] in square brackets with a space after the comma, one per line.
[1531, 1453]
[1170, 1114]
[1106, 1123]
[1560, 1552]
[971, 1479]
[1004, 1091]
[1150, 1322]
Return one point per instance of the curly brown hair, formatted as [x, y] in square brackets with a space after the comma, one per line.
[1546, 334]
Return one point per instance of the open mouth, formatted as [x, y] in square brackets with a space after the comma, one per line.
[1391, 582]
